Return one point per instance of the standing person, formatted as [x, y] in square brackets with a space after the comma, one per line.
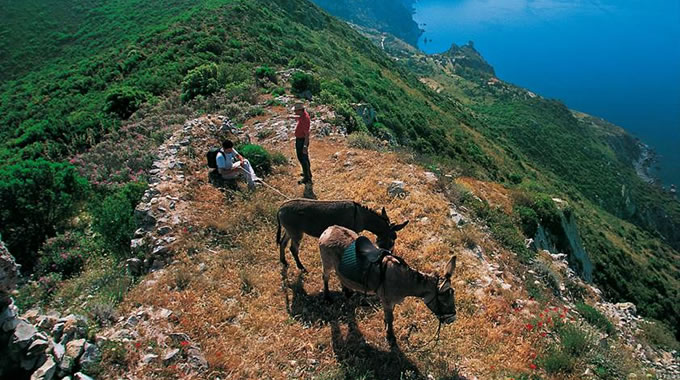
[230, 164]
[302, 142]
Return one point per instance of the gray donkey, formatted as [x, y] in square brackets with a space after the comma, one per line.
[307, 216]
[361, 266]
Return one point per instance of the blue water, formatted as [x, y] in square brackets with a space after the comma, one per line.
[619, 60]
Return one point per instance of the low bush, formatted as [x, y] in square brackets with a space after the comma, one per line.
[556, 361]
[36, 196]
[258, 156]
[124, 101]
[112, 218]
[37, 292]
[574, 340]
[363, 140]
[659, 335]
[278, 91]
[64, 254]
[304, 84]
[279, 159]
[595, 318]
[200, 81]
[266, 72]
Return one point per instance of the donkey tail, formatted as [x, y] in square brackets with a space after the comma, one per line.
[278, 229]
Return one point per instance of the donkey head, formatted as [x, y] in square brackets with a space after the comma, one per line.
[386, 238]
[443, 304]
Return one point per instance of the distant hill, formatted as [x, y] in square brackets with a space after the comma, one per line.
[392, 16]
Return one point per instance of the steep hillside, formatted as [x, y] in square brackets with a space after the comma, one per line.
[115, 64]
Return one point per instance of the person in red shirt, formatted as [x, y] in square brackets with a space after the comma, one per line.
[302, 142]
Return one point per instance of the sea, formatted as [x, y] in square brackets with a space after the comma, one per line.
[618, 60]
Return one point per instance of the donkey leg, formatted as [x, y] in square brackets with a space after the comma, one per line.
[295, 249]
[347, 292]
[282, 249]
[389, 327]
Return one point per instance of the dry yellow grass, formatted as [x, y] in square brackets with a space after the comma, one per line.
[254, 320]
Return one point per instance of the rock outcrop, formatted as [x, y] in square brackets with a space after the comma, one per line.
[42, 347]
[9, 275]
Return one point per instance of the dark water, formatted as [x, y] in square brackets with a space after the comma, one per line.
[619, 60]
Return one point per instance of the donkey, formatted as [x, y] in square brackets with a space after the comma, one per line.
[391, 279]
[307, 216]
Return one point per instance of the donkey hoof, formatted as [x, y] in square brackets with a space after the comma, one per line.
[284, 263]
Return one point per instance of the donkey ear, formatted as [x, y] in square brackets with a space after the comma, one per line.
[450, 267]
[399, 227]
[384, 214]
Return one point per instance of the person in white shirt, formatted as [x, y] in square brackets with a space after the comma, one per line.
[230, 164]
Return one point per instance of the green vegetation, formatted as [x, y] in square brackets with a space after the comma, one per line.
[363, 140]
[659, 335]
[557, 361]
[37, 197]
[595, 318]
[260, 159]
[304, 84]
[574, 340]
[112, 218]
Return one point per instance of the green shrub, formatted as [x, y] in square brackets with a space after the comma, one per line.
[113, 219]
[124, 101]
[259, 158]
[548, 277]
[595, 318]
[278, 91]
[363, 140]
[300, 62]
[200, 81]
[64, 254]
[279, 159]
[38, 292]
[267, 72]
[659, 335]
[304, 84]
[574, 340]
[528, 220]
[556, 361]
[36, 196]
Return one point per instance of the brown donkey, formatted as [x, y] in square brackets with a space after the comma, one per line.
[307, 216]
[348, 255]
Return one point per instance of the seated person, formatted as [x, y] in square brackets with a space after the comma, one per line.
[230, 164]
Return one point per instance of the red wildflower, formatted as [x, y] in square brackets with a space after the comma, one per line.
[532, 366]
[138, 344]
[540, 323]
[543, 334]
[184, 343]
[529, 326]
[562, 316]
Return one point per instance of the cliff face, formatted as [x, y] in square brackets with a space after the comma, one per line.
[391, 16]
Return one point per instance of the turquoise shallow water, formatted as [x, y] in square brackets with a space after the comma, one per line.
[619, 60]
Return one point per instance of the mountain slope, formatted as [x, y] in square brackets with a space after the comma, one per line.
[134, 71]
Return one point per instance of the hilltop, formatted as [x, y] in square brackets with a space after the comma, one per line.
[107, 204]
